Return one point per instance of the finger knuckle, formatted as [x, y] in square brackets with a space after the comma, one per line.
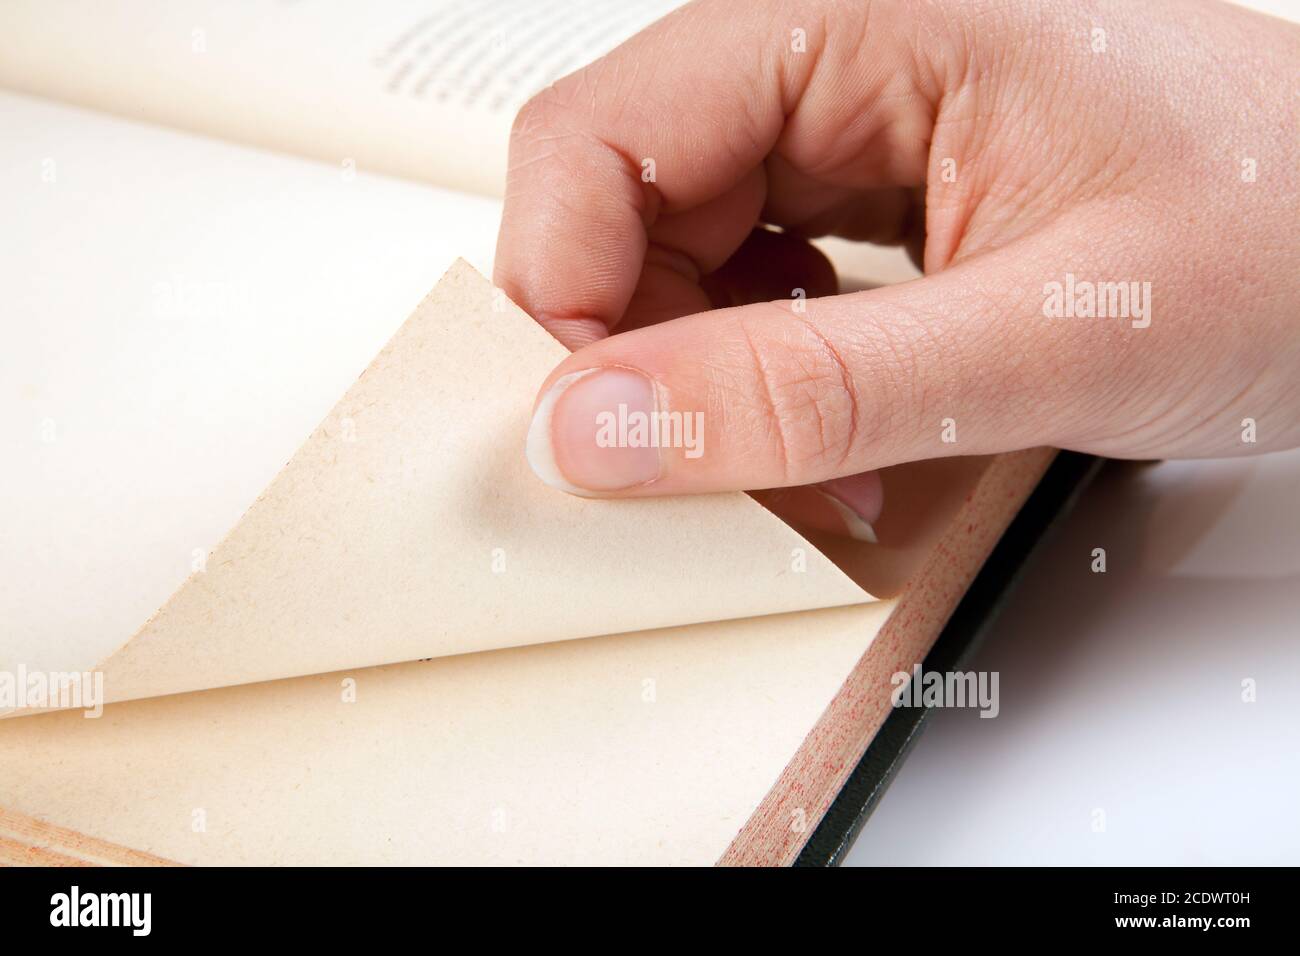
[804, 395]
[538, 114]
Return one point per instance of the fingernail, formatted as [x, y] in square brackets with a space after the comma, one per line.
[857, 499]
[580, 440]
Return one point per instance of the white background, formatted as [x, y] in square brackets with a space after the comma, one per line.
[1122, 692]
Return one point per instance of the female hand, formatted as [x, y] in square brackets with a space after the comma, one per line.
[1104, 198]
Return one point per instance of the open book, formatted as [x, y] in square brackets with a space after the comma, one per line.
[335, 619]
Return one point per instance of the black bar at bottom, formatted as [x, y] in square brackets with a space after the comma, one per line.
[911, 907]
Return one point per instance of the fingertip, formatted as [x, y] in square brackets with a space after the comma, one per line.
[584, 438]
[854, 525]
[814, 508]
[859, 500]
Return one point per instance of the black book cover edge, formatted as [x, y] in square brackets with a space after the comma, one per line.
[1060, 487]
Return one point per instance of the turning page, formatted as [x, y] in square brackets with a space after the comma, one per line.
[410, 526]
[178, 352]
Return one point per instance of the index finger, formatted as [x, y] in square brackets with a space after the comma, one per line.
[599, 157]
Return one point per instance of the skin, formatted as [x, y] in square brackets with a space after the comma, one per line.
[1123, 164]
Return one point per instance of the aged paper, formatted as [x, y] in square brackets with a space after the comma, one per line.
[647, 748]
[409, 526]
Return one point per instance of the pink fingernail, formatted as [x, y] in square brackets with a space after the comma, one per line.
[574, 441]
[858, 500]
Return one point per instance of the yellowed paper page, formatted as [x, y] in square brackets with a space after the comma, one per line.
[179, 314]
[715, 742]
[648, 748]
[409, 526]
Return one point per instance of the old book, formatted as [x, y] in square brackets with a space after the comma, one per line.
[386, 643]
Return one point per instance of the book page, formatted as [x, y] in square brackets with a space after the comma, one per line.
[161, 291]
[648, 748]
[177, 336]
[424, 89]
[409, 526]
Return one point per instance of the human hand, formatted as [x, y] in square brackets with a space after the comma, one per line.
[1026, 153]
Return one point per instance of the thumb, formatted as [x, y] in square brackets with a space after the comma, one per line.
[792, 393]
